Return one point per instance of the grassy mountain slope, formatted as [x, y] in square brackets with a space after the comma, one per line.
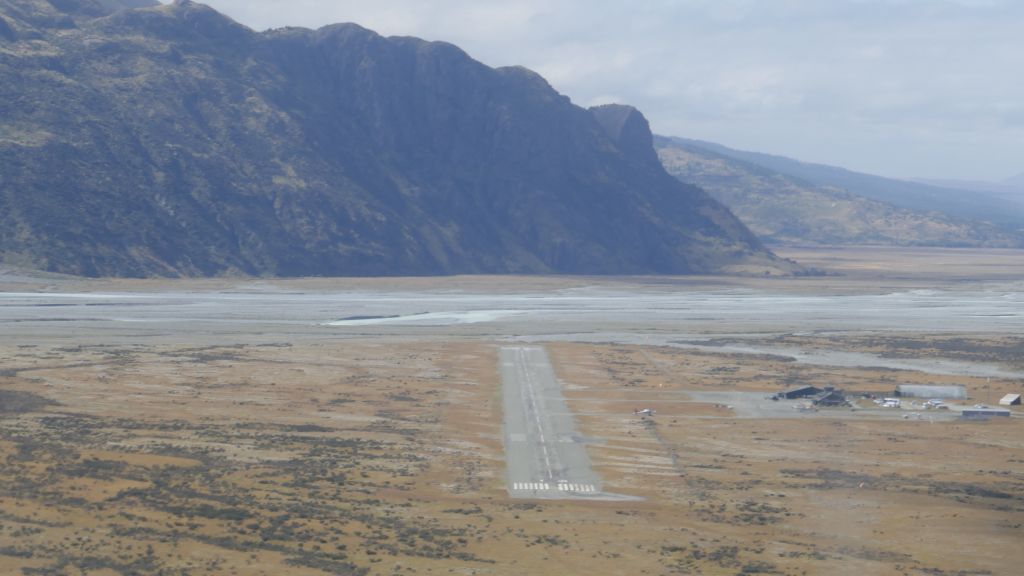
[785, 208]
[963, 204]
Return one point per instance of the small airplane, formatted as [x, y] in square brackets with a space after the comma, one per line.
[644, 412]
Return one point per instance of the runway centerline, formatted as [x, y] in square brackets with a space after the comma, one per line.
[543, 458]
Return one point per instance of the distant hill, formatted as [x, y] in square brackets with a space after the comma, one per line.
[169, 140]
[786, 201]
[1011, 189]
[963, 204]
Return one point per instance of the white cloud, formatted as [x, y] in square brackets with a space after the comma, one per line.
[889, 86]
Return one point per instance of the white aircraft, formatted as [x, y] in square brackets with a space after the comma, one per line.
[644, 412]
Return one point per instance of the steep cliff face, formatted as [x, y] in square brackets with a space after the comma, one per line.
[170, 140]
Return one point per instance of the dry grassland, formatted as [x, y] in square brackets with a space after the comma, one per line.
[386, 458]
[916, 264]
[248, 460]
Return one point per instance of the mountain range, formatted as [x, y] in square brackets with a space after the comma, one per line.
[792, 202]
[139, 139]
[1011, 189]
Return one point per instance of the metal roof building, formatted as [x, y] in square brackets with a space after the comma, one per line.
[800, 392]
[983, 413]
[920, 391]
[830, 397]
[1010, 400]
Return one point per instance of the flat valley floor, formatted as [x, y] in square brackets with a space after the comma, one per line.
[356, 426]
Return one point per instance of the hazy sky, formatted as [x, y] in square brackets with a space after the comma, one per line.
[928, 88]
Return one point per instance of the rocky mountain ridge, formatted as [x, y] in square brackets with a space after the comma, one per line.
[169, 140]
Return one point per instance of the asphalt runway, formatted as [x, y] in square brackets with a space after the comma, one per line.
[545, 456]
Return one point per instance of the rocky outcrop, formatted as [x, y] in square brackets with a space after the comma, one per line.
[629, 130]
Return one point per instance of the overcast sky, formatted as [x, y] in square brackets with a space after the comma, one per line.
[924, 88]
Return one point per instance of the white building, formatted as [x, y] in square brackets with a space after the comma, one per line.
[919, 391]
[1010, 400]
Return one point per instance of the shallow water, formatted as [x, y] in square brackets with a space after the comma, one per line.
[641, 314]
[940, 366]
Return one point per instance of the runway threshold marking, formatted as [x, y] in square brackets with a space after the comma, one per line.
[562, 486]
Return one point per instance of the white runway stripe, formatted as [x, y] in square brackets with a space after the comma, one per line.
[563, 485]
